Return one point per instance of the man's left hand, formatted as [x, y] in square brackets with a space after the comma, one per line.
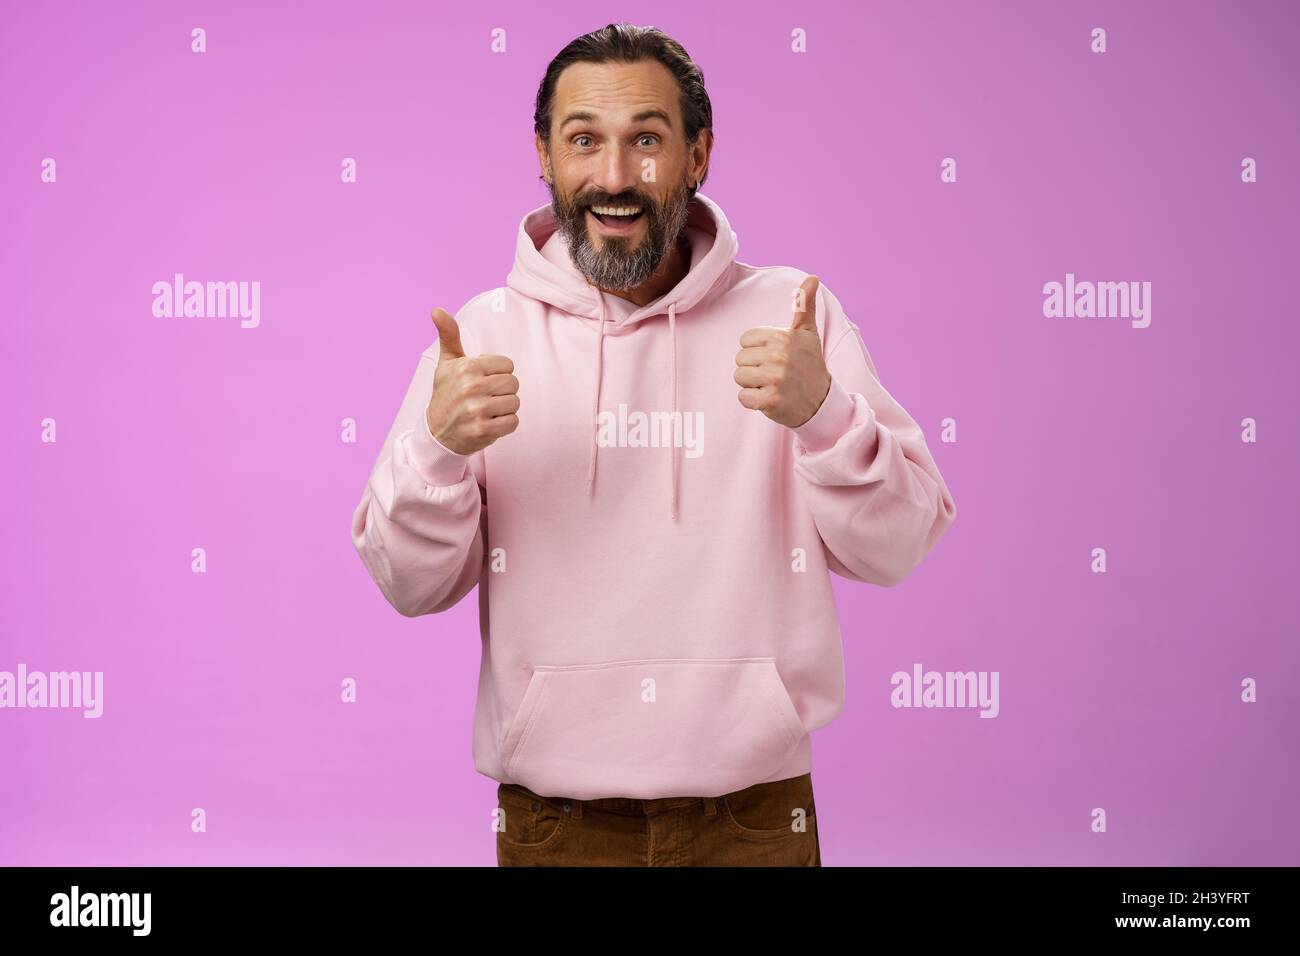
[781, 371]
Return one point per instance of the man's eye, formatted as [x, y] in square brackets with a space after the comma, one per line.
[650, 136]
[577, 139]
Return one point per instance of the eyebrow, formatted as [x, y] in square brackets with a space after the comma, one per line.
[638, 118]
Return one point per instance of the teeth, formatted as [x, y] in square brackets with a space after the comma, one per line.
[616, 210]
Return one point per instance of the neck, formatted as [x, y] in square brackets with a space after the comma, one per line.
[670, 272]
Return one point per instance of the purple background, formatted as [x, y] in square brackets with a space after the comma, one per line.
[1118, 690]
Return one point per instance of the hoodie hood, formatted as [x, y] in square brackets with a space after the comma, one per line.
[544, 271]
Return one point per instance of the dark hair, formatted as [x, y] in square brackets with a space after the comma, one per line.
[626, 43]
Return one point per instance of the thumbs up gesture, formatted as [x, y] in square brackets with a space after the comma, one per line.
[781, 370]
[474, 400]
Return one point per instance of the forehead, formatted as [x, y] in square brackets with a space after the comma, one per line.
[614, 92]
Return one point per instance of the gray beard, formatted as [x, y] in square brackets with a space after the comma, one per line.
[615, 267]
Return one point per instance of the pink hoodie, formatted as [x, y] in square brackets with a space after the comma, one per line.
[656, 613]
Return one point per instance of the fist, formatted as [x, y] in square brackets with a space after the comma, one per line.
[474, 400]
[781, 370]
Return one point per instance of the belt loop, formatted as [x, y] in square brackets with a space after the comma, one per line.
[574, 807]
[710, 806]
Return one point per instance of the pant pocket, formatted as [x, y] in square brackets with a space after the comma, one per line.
[529, 822]
[651, 728]
[772, 810]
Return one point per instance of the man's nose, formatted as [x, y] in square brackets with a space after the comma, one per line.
[619, 173]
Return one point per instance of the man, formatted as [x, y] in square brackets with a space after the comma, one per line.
[701, 441]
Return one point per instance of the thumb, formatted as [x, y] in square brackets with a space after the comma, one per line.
[449, 346]
[806, 318]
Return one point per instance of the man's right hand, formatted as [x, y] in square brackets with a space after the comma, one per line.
[474, 399]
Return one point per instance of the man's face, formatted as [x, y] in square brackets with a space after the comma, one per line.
[617, 142]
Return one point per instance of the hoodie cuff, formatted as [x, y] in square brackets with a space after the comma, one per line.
[435, 462]
[828, 423]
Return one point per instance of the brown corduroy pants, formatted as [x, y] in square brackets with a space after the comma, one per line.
[768, 824]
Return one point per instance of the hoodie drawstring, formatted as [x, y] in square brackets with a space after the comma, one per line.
[595, 406]
[595, 397]
[672, 446]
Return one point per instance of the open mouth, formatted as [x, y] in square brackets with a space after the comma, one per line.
[617, 218]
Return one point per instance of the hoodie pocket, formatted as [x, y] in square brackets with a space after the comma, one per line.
[651, 728]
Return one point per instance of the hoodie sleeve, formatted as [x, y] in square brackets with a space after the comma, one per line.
[863, 469]
[419, 525]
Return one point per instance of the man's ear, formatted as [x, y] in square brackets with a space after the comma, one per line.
[543, 156]
[701, 150]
